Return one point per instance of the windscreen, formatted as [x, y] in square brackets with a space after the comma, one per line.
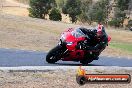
[78, 33]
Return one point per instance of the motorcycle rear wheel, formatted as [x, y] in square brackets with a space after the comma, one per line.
[86, 61]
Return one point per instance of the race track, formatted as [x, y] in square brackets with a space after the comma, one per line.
[14, 58]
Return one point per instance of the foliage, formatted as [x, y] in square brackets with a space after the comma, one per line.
[55, 15]
[39, 8]
[130, 5]
[114, 22]
[98, 12]
[60, 3]
[72, 7]
[82, 10]
[85, 5]
[120, 13]
[129, 24]
[123, 4]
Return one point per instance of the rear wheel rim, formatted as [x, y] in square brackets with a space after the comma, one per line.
[52, 58]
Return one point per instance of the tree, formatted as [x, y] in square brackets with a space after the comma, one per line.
[85, 6]
[98, 11]
[123, 4]
[130, 5]
[55, 15]
[60, 3]
[114, 22]
[39, 8]
[120, 16]
[120, 13]
[72, 7]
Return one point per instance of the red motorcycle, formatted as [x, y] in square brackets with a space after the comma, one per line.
[66, 48]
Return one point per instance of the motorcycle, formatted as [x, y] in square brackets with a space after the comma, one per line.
[66, 49]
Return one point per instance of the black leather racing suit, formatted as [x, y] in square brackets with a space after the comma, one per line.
[97, 45]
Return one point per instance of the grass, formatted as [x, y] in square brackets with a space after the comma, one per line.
[120, 36]
[122, 46]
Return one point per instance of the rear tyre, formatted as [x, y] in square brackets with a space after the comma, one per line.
[53, 55]
[86, 61]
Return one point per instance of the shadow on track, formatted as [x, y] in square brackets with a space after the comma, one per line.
[73, 64]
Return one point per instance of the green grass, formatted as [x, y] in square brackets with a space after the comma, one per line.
[122, 46]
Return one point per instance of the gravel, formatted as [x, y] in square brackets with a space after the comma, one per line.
[57, 77]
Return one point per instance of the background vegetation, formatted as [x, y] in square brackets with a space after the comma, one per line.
[85, 11]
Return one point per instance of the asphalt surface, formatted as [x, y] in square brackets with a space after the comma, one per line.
[15, 58]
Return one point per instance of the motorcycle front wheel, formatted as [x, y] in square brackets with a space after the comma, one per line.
[53, 55]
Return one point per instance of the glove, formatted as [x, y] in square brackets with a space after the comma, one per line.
[91, 48]
[94, 31]
[81, 46]
[78, 46]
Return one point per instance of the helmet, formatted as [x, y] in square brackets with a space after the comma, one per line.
[100, 29]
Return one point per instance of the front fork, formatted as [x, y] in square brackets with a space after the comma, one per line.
[64, 50]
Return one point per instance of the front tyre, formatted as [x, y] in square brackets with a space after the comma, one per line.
[53, 55]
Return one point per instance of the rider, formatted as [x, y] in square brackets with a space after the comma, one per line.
[97, 36]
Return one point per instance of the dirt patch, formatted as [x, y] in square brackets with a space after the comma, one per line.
[15, 11]
[14, 8]
[27, 33]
